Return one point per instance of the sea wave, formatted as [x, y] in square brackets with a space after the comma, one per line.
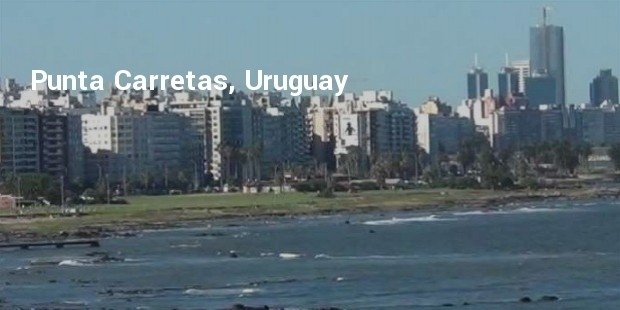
[322, 256]
[511, 211]
[221, 291]
[74, 263]
[395, 220]
[289, 255]
[185, 245]
[465, 213]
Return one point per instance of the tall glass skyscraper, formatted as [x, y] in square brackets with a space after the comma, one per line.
[547, 54]
[540, 90]
[604, 87]
[507, 82]
[477, 83]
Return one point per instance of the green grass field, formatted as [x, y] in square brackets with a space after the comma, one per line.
[170, 210]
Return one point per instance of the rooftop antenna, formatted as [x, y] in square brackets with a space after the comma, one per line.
[506, 59]
[546, 39]
[476, 60]
[545, 10]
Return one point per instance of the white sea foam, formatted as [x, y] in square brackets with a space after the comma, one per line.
[513, 211]
[322, 256]
[289, 255]
[184, 246]
[221, 291]
[74, 262]
[530, 210]
[472, 213]
[395, 220]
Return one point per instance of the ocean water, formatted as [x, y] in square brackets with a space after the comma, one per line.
[474, 260]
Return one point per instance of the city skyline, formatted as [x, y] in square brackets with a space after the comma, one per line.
[405, 69]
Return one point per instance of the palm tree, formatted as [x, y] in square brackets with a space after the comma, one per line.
[585, 150]
[256, 153]
[246, 163]
[226, 152]
[420, 161]
[614, 154]
[406, 164]
[351, 160]
[380, 169]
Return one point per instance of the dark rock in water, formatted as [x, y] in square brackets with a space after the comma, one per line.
[210, 234]
[372, 231]
[242, 307]
[466, 304]
[525, 299]
[549, 298]
[108, 259]
[329, 308]
[96, 253]
[233, 254]
[126, 234]
[347, 222]
[448, 305]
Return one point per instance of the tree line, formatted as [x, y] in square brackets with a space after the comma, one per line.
[475, 165]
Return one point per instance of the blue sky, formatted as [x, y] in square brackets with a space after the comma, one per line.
[416, 48]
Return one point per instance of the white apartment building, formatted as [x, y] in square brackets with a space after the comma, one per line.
[320, 127]
[229, 126]
[127, 144]
[523, 69]
[480, 112]
[193, 106]
[373, 121]
[439, 133]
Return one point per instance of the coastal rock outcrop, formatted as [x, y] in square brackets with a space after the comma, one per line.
[549, 298]
[242, 307]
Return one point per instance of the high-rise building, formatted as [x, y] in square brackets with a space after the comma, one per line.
[194, 107]
[517, 127]
[229, 128]
[547, 54]
[434, 106]
[540, 90]
[477, 82]
[60, 143]
[374, 124]
[19, 141]
[53, 143]
[129, 145]
[437, 133]
[280, 131]
[523, 70]
[604, 87]
[320, 118]
[507, 82]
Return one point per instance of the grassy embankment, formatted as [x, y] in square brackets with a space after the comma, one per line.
[167, 211]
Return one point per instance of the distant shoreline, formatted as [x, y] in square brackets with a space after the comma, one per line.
[126, 220]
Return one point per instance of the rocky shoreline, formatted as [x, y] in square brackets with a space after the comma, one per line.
[132, 228]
